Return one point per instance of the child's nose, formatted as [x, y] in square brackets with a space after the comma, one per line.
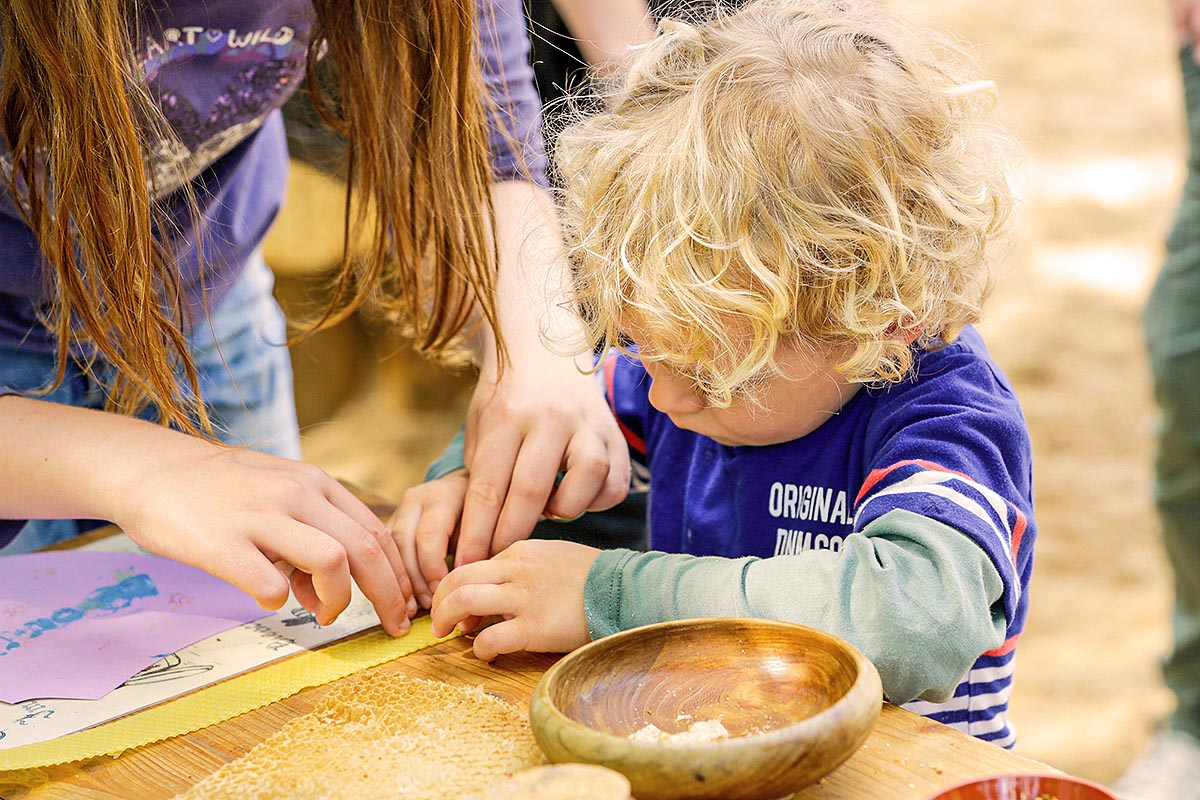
[672, 394]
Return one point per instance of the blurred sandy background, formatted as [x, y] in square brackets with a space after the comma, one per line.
[1091, 88]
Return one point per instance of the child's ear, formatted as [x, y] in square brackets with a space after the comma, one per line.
[905, 334]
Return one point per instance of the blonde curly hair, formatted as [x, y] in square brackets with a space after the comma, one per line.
[800, 170]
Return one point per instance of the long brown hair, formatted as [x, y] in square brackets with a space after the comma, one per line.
[405, 92]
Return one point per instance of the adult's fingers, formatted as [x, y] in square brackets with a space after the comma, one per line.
[373, 557]
[311, 550]
[254, 573]
[620, 473]
[345, 501]
[533, 479]
[302, 586]
[491, 473]
[1187, 19]
[590, 482]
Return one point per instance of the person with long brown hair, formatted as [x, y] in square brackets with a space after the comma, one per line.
[144, 159]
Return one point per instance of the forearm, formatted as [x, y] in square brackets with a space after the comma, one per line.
[533, 288]
[918, 598]
[255, 520]
[61, 462]
[605, 31]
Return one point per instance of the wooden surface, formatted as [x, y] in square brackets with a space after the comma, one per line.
[905, 757]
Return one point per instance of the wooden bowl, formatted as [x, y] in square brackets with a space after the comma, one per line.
[795, 701]
[1026, 787]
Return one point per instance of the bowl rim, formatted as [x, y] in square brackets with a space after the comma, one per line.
[866, 683]
[1059, 776]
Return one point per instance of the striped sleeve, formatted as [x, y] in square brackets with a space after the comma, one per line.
[980, 703]
[955, 499]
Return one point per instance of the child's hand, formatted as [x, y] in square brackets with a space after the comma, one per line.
[261, 522]
[535, 585]
[423, 525]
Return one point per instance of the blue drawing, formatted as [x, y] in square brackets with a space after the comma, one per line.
[102, 600]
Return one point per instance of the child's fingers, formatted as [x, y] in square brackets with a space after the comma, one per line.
[423, 526]
[508, 636]
[403, 525]
[435, 529]
[482, 592]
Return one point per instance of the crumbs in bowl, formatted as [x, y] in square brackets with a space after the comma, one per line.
[709, 730]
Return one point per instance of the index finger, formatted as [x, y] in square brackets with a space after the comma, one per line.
[532, 483]
[487, 488]
[372, 556]
[468, 594]
[312, 550]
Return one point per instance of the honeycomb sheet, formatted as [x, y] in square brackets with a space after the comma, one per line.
[384, 736]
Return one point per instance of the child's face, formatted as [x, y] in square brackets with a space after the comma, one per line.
[793, 403]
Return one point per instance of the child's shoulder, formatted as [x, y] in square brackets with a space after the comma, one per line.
[953, 387]
[966, 359]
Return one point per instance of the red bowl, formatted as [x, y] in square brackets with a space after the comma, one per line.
[1026, 787]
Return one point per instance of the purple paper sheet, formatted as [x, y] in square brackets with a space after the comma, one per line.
[77, 624]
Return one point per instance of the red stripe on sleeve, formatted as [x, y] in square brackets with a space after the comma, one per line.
[632, 439]
[879, 474]
[1018, 531]
[1005, 648]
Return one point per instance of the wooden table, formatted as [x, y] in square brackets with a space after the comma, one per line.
[906, 757]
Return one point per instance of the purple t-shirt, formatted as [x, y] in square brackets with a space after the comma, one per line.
[220, 71]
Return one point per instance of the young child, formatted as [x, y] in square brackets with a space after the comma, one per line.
[785, 223]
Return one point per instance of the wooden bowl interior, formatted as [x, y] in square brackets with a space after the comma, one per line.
[1026, 787]
[751, 677]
